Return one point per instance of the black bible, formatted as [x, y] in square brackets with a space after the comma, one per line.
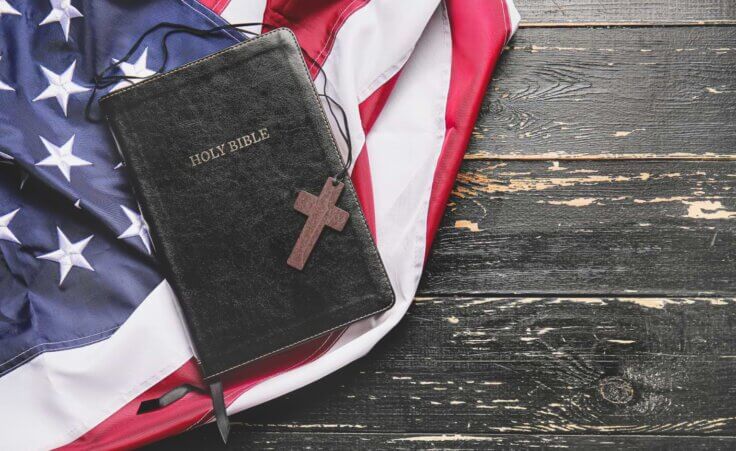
[231, 159]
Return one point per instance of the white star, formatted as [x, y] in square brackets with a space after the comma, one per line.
[62, 157]
[69, 255]
[3, 86]
[63, 12]
[60, 86]
[5, 8]
[5, 232]
[137, 69]
[138, 227]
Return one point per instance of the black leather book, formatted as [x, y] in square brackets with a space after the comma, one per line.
[217, 152]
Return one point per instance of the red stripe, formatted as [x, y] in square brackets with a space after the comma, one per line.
[127, 429]
[361, 176]
[217, 6]
[316, 27]
[479, 33]
[315, 24]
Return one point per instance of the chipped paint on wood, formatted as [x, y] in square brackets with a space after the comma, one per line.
[657, 200]
[446, 438]
[479, 183]
[602, 156]
[708, 210]
[578, 202]
[465, 224]
[642, 227]
[623, 134]
[556, 167]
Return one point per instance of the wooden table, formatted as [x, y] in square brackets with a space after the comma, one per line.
[580, 292]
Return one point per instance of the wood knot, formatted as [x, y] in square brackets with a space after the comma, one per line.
[616, 390]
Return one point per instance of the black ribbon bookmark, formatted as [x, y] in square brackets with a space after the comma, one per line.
[177, 393]
[218, 402]
[170, 397]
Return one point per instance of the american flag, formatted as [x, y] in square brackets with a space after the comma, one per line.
[89, 329]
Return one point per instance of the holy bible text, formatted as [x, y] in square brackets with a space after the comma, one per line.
[234, 145]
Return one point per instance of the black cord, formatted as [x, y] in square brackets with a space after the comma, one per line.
[104, 80]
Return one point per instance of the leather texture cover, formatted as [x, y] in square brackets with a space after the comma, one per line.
[217, 151]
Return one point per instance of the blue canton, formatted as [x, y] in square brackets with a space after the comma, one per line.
[75, 254]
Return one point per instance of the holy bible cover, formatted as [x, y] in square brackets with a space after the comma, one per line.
[218, 151]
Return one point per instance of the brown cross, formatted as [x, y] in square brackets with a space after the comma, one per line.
[321, 211]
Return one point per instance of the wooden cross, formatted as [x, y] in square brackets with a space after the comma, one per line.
[321, 211]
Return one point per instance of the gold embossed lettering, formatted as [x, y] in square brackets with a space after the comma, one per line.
[236, 144]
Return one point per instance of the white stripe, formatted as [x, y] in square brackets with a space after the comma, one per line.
[406, 141]
[240, 11]
[515, 16]
[58, 396]
[370, 48]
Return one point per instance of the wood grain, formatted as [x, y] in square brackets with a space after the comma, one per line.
[583, 12]
[588, 227]
[242, 437]
[612, 93]
[484, 365]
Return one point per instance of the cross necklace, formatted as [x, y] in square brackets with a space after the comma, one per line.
[321, 211]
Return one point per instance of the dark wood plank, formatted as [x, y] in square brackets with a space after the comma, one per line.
[588, 227]
[557, 12]
[242, 438]
[530, 366]
[602, 93]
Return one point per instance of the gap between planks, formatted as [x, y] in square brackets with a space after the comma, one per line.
[573, 297]
[444, 436]
[689, 23]
[480, 156]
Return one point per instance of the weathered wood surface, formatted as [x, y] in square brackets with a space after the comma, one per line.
[581, 12]
[602, 227]
[242, 438]
[643, 366]
[603, 93]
